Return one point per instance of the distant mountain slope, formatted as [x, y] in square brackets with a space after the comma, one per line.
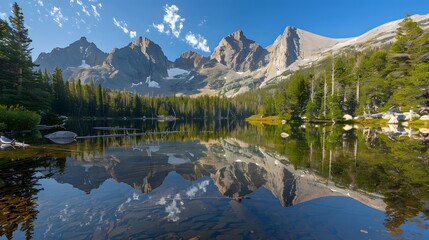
[190, 60]
[236, 65]
[127, 67]
[79, 53]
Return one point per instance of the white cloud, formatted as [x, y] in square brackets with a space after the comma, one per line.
[173, 22]
[160, 27]
[94, 9]
[202, 22]
[201, 186]
[162, 201]
[191, 192]
[197, 42]
[173, 211]
[147, 30]
[58, 17]
[123, 25]
[100, 5]
[84, 10]
[40, 2]
[3, 16]
[172, 19]
[79, 2]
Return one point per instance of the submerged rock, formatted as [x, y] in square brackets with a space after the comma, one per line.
[62, 137]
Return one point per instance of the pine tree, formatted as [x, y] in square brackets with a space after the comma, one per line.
[59, 101]
[18, 83]
[404, 49]
[22, 64]
[99, 100]
[5, 63]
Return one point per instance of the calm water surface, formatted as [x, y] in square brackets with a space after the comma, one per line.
[214, 180]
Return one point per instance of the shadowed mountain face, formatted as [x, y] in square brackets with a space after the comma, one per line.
[236, 65]
[123, 67]
[80, 53]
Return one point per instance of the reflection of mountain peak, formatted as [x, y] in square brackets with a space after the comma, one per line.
[82, 178]
[239, 179]
[237, 169]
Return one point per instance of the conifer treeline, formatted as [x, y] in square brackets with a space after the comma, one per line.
[74, 99]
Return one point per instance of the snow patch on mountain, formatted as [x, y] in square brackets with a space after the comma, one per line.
[174, 73]
[84, 64]
[136, 84]
[152, 84]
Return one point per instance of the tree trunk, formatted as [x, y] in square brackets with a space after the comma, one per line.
[333, 73]
[325, 89]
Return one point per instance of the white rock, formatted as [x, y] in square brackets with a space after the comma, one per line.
[347, 117]
[424, 130]
[387, 116]
[284, 135]
[393, 120]
[347, 127]
[424, 117]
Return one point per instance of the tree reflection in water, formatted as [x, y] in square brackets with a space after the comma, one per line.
[390, 163]
[18, 193]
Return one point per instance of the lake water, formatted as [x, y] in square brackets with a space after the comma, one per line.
[218, 180]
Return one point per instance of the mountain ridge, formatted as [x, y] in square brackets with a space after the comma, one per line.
[236, 65]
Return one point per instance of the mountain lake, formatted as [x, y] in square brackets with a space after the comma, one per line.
[217, 180]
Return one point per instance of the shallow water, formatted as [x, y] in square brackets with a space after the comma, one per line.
[217, 180]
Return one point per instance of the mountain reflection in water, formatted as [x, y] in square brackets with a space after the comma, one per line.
[241, 183]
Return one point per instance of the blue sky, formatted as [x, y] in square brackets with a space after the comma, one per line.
[180, 25]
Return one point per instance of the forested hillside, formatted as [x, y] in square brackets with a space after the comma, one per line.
[354, 82]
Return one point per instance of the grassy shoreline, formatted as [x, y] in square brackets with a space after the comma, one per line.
[376, 122]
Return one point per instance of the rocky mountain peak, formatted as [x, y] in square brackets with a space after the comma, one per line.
[237, 35]
[131, 64]
[141, 41]
[286, 48]
[190, 60]
[189, 54]
[289, 29]
[239, 53]
[78, 53]
[83, 39]
[237, 63]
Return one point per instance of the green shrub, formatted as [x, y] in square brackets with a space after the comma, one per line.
[2, 126]
[18, 118]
